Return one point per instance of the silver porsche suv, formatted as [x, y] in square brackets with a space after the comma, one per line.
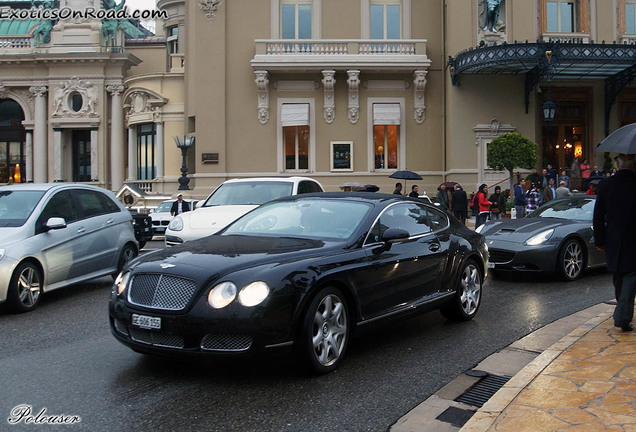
[54, 235]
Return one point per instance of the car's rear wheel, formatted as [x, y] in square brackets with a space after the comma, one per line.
[570, 260]
[325, 331]
[127, 253]
[25, 288]
[467, 299]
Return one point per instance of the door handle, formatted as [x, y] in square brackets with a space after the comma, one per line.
[110, 221]
[434, 247]
[81, 230]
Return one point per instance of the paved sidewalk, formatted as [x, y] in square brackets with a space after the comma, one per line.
[584, 382]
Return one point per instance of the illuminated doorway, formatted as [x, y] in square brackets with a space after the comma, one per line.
[12, 147]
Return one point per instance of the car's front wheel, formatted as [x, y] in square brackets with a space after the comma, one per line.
[465, 303]
[570, 260]
[25, 288]
[325, 331]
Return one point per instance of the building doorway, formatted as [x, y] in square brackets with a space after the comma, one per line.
[81, 139]
[12, 147]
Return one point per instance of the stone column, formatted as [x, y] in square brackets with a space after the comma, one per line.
[132, 154]
[159, 151]
[94, 153]
[29, 156]
[40, 151]
[57, 155]
[117, 162]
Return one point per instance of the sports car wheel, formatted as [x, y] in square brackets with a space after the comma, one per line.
[325, 331]
[127, 253]
[25, 288]
[467, 299]
[570, 260]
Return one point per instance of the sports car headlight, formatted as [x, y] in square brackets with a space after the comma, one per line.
[222, 295]
[176, 224]
[121, 282]
[253, 294]
[540, 238]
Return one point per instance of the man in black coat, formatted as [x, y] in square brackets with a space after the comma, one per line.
[615, 234]
[460, 204]
[179, 206]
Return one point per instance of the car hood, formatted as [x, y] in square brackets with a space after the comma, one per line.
[215, 218]
[520, 230]
[218, 255]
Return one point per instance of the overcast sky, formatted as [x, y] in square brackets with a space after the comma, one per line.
[140, 4]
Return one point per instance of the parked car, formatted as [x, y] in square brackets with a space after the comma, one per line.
[161, 216]
[302, 272]
[555, 238]
[54, 235]
[231, 200]
[142, 224]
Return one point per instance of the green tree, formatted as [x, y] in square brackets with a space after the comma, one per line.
[510, 151]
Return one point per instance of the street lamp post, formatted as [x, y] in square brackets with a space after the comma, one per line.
[184, 144]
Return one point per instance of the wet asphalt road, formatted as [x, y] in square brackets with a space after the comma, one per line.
[62, 357]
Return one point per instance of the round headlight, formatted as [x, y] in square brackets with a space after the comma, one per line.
[176, 224]
[253, 294]
[222, 295]
[122, 281]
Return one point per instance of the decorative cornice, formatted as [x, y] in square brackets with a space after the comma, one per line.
[329, 83]
[354, 102]
[209, 7]
[262, 86]
[419, 88]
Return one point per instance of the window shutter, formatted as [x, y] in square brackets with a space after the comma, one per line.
[585, 16]
[543, 15]
[294, 115]
[386, 114]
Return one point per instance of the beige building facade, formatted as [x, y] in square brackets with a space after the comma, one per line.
[341, 91]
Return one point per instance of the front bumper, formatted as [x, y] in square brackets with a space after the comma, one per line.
[7, 267]
[202, 331]
[509, 256]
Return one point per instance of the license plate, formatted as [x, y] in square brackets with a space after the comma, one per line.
[146, 229]
[146, 322]
[491, 265]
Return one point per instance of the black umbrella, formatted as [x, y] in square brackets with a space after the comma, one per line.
[406, 175]
[371, 188]
[622, 140]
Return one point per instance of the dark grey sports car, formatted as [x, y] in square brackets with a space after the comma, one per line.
[556, 238]
[300, 272]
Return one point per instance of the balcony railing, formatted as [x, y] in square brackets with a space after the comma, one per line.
[628, 39]
[566, 37]
[15, 43]
[314, 54]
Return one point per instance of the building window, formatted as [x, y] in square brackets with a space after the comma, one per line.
[564, 16]
[295, 20]
[630, 17]
[385, 17]
[173, 39]
[146, 162]
[386, 135]
[296, 136]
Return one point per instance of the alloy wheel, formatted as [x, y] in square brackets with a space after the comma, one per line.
[573, 260]
[29, 287]
[329, 333]
[471, 289]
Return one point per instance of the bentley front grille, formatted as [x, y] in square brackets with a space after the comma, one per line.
[159, 291]
[226, 342]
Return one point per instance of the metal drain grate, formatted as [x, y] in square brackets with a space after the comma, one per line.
[479, 394]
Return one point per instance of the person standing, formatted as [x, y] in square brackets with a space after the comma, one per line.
[442, 198]
[398, 189]
[563, 191]
[483, 205]
[415, 191]
[551, 172]
[575, 174]
[497, 204]
[564, 177]
[596, 173]
[179, 206]
[520, 199]
[585, 174]
[549, 193]
[460, 204]
[615, 234]
[532, 199]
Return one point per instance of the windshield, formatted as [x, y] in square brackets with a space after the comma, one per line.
[17, 206]
[248, 193]
[164, 207]
[312, 218]
[571, 209]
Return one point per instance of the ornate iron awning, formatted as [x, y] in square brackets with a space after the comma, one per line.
[614, 63]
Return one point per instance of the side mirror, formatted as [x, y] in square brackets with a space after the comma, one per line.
[54, 223]
[393, 235]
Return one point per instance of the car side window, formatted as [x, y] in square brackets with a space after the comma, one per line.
[61, 205]
[306, 186]
[409, 216]
[94, 203]
[436, 219]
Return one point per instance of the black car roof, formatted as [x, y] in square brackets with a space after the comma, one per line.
[362, 196]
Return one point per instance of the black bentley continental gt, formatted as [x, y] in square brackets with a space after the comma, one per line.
[556, 238]
[301, 272]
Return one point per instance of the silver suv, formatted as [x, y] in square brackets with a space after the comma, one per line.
[54, 235]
